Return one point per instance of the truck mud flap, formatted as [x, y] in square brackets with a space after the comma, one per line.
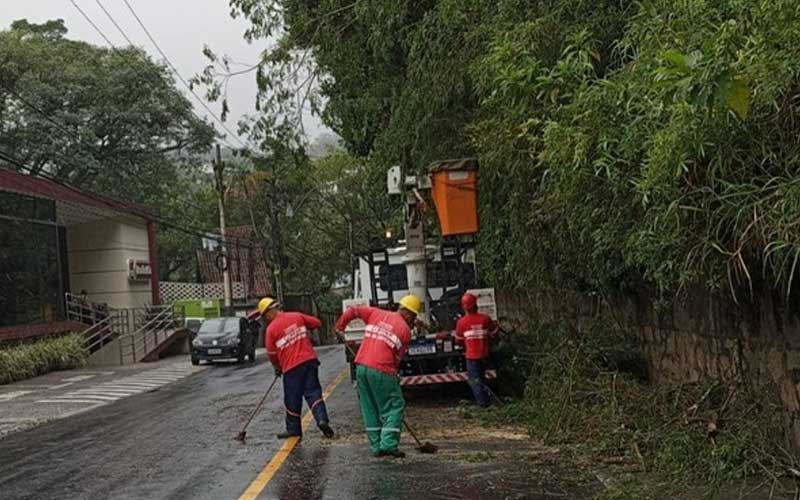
[441, 378]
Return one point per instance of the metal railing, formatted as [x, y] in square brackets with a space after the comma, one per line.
[154, 325]
[83, 311]
[104, 322]
[140, 330]
[102, 332]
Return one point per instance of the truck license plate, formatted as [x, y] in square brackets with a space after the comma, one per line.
[422, 349]
[215, 351]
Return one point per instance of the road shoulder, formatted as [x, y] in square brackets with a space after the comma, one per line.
[473, 462]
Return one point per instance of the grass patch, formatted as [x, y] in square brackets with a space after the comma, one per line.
[589, 392]
[630, 487]
[22, 361]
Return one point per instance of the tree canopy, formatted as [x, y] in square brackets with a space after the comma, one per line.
[623, 144]
[108, 121]
[102, 119]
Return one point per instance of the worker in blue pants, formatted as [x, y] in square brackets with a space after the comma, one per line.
[292, 355]
[298, 383]
[475, 332]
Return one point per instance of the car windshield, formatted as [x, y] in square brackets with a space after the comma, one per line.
[216, 327]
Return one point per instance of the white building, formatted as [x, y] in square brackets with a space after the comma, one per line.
[56, 239]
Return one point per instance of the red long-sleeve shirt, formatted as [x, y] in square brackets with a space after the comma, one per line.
[475, 331]
[386, 337]
[286, 339]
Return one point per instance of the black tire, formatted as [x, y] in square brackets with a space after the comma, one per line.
[195, 361]
[252, 356]
[240, 358]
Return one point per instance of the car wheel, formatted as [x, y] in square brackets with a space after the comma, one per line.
[252, 356]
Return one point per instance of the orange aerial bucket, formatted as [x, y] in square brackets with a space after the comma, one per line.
[455, 195]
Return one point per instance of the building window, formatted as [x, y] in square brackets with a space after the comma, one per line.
[30, 271]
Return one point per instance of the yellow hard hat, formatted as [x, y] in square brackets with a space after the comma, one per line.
[412, 303]
[265, 304]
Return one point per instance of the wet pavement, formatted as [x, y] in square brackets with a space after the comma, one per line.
[472, 463]
[56, 395]
[175, 442]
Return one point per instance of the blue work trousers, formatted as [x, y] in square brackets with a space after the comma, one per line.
[299, 382]
[476, 371]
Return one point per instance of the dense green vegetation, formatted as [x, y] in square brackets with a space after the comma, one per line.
[308, 214]
[22, 361]
[587, 393]
[623, 144]
[106, 120]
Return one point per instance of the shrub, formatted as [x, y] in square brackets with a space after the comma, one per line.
[586, 389]
[21, 361]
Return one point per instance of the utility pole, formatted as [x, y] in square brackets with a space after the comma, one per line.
[353, 260]
[226, 276]
[277, 243]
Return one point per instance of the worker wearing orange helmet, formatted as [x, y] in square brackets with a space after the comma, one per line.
[386, 339]
[292, 355]
[475, 332]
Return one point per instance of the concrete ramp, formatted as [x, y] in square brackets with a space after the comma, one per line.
[175, 343]
[157, 330]
[108, 355]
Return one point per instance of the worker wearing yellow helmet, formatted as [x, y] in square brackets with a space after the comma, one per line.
[386, 339]
[292, 355]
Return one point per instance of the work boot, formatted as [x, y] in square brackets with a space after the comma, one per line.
[287, 435]
[326, 430]
[391, 453]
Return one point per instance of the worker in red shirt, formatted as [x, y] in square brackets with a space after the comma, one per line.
[386, 339]
[292, 355]
[475, 331]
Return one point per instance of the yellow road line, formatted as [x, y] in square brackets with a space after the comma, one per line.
[265, 476]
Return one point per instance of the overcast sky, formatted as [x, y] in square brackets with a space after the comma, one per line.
[181, 28]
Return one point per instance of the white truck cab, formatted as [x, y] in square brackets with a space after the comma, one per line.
[437, 274]
[433, 357]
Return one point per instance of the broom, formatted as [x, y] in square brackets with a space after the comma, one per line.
[243, 433]
[426, 447]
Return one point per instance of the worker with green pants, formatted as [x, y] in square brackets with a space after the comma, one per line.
[386, 339]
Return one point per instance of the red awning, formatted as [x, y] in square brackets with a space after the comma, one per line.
[40, 187]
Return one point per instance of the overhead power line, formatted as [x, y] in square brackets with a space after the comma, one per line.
[114, 22]
[81, 141]
[116, 50]
[89, 20]
[180, 77]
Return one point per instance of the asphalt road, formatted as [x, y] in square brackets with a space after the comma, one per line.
[176, 442]
[173, 443]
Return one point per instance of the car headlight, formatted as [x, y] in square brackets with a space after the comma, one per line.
[197, 342]
[233, 340]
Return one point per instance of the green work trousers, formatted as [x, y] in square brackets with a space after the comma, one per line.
[382, 406]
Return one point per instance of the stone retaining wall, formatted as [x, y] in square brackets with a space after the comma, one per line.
[698, 336]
